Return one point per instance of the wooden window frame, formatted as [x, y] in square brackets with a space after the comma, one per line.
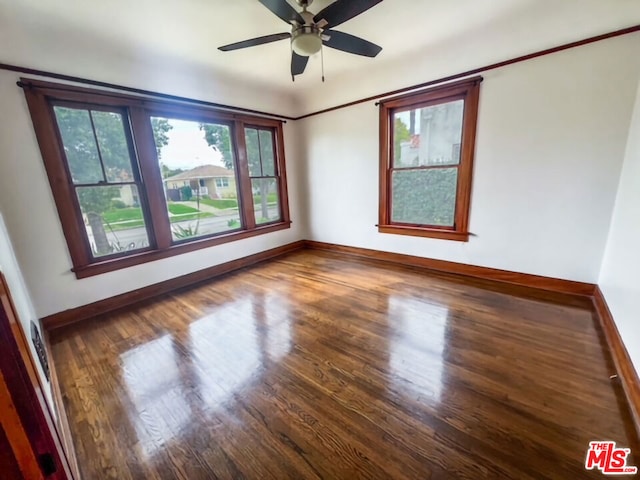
[276, 168]
[467, 90]
[42, 96]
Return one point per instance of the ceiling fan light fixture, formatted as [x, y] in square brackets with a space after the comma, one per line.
[310, 32]
[306, 41]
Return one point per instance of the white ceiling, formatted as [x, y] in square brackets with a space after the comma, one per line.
[36, 32]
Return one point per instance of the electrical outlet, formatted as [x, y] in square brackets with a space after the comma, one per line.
[42, 354]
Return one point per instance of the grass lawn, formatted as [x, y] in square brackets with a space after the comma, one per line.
[122, 215]
[178, 209]
[126, 218]
[271, 198]
[221, 203]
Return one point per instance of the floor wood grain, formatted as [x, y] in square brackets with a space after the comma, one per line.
[323, 366]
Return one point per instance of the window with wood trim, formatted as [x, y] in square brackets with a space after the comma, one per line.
[137, 179]
[261, 154]
[427, 144]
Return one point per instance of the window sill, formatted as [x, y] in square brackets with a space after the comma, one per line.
[425, 232]
[99, 268]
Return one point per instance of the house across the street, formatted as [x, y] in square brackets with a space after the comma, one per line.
[206, 180]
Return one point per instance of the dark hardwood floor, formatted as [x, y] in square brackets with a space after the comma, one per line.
[318, 365]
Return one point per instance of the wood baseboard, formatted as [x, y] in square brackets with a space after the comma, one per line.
[624, 367]
[85, 312]
[485, 273]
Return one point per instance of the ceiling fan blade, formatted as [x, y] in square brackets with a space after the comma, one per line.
[283, 10]
[343, 10]
[351, 44]
[255, 41]
[298, 63]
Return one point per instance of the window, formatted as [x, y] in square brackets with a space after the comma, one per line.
[103, 177]
[426, 162]
[222, 182]
[194, 209]
[264, 174]
[136, 180]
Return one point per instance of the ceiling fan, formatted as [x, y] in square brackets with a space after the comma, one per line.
[311, 31]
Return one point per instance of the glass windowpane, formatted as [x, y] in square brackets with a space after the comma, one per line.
[424, 197]
[428, 136]
[266, 201]
[198, 171]
[266, 153]
[253, 152]
[113, 219]
[79, 144]
[113, 145]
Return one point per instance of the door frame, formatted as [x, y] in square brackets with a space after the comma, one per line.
[23, 383]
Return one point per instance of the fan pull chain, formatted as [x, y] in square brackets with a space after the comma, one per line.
[322, 61]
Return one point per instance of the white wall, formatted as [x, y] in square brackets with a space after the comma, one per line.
[550, 143]
[34, 227]
[551, 139]
[22, 301]
[620, 275]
